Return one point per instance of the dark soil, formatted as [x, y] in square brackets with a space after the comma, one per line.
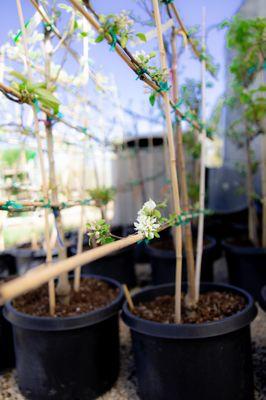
[212, 306]
[168, 244]
[93, 294]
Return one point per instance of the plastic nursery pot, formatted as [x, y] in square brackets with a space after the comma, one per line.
[163, 263]
[246, 266]
[184, 361]
[119, 265]
[7, 354]
[71, 358]
[220, 223]
[8, 265]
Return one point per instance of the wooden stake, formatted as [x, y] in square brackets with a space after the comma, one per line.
[51, 286]
[202, 160]
[129, 298]
[181, 164]
[173, 173]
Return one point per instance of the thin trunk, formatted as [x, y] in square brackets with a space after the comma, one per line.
[202, 162]
[182, 174]
[252, 215]
[174, 180]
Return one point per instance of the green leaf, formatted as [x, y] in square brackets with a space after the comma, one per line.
[19, 76]
[142, 36]
[152, 98]
[99, 38]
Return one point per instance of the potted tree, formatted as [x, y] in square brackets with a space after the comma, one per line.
[246, 255]
[62, 333]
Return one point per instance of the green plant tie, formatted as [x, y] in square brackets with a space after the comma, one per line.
[11, 204]
[17, 37]
[141, 72]
[163, 87]
[114, 39]
[167, 1]
[203, 56]
[178, 104]
[36, 105]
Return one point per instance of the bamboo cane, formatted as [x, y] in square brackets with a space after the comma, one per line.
[202, 160]
[190, 298]
[51, 287]
[129, 298]
[174, 180]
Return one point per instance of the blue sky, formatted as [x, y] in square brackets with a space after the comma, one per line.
[130, 90]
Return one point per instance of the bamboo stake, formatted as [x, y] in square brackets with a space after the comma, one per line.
[190, 298]
[86, 73]
[202, 160]
[129, 298]
[174, 180]
[51, 286]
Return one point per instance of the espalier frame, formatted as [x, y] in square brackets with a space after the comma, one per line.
[46, 273]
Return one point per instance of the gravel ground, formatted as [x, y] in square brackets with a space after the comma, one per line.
[125, 387]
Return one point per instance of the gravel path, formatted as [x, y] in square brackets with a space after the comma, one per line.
[125, 387]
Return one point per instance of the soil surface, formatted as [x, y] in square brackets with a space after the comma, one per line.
[212, 306]
[93, 294]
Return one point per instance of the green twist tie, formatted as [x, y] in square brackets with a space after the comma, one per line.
[178, 104]
[167, 1]
[46, 205]
[11, 204]
[203, 56]
[163, 87]
[36, 106]
[141, 72]
[114, 39]
[17, 37]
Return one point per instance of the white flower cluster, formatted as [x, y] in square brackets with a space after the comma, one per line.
[147, 223]
[94, 231]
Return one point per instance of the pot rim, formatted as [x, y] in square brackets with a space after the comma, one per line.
[27, 321]
[161, 253]
[234, 248]
[189, 331]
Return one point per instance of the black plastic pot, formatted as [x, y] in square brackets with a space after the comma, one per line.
[187, 361]
[119, 265]
[7, 354]
[163, 263]
[72, 358]
[262, 298]
[220, 223]
[8, 265]
[246, 267]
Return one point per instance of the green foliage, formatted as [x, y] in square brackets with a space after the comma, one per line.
[101, 195]
[116, 26]
[31, 92]
[11, 156]
[99, 232]
[247, 37]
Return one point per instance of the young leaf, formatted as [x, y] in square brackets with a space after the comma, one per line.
[142, 37]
